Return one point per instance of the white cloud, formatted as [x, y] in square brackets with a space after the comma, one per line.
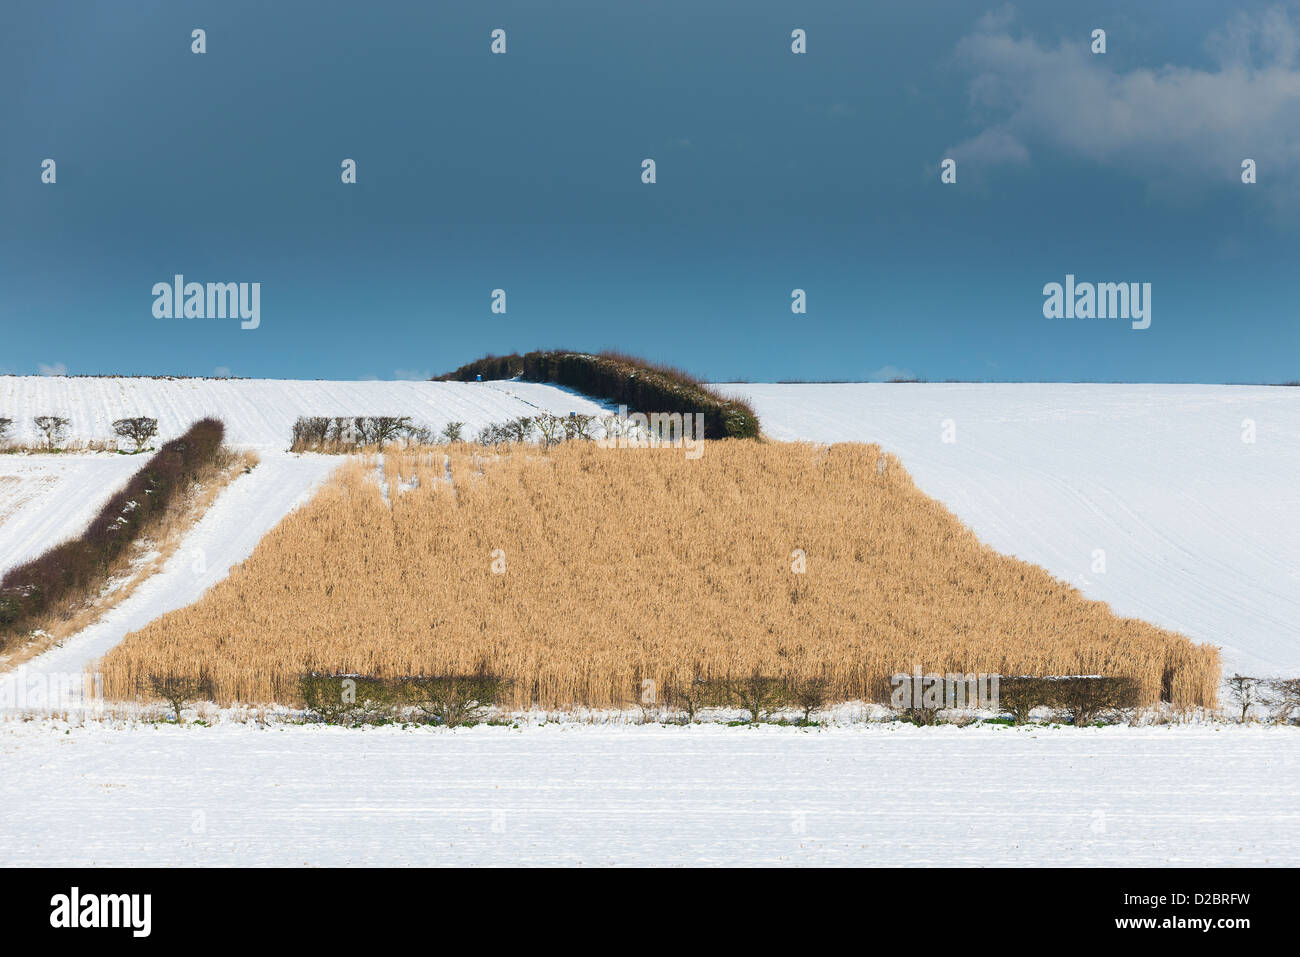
[886, 373]
[412, 375]
[1179, 128]
[57, 368]
[222, 372]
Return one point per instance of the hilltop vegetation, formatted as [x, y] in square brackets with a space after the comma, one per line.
[640, 385]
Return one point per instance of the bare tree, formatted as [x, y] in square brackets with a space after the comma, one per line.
[758, 694]
[1089, 698]
[580, 427]
[518, 430]
[453, 432]
[5, 426]
[612, 426]
[493, 434]
[139, 429]
[454, 700]
[693, 695]
[551, 429]
[311, 431]
[417, 434]
[1245, 691]
[53, 427]
[1019, 695]
[809, 695]
[343, 430]
[378, 429]
[1288, 693]
[176, 690]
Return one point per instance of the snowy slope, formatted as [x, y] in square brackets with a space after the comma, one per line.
[1200, 530]
[244, 511]
[260, 412]
[565, 795]
[45, 499]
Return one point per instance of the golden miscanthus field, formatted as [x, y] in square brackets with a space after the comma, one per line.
[579, 571]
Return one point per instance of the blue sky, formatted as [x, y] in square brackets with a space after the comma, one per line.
[775, 171]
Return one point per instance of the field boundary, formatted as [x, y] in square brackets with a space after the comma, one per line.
[52, 594]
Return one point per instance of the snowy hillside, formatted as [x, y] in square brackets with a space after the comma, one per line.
[45, 499]
[226, 534]
[260, 412]
[1200, 529]
[1145, 497]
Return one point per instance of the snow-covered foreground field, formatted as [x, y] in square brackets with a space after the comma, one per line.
[260, 413]
[590, 795]
[1200, 530]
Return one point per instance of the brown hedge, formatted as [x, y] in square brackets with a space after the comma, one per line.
[612, 376]
[29, 590]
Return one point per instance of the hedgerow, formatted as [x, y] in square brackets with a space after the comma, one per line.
[29, 590]
[640, 385]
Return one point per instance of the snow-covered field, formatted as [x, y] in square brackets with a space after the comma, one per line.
[45, 499]
[1146, 497]
[580, 795]
[260, 413]
[1200, 529]
[229, 531]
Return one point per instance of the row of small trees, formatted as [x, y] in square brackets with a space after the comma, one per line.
[447, 700]
[322, 433]
[327, 433]
[460, 699]
[546, 429]
[319, 433]
[1083, 700]
[454, 700]
[138, 429]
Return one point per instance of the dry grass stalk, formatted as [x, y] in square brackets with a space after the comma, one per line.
[624, 565]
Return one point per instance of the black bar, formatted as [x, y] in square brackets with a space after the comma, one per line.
[928, 907]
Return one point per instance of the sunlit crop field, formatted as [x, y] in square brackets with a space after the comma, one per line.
[580, 573]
